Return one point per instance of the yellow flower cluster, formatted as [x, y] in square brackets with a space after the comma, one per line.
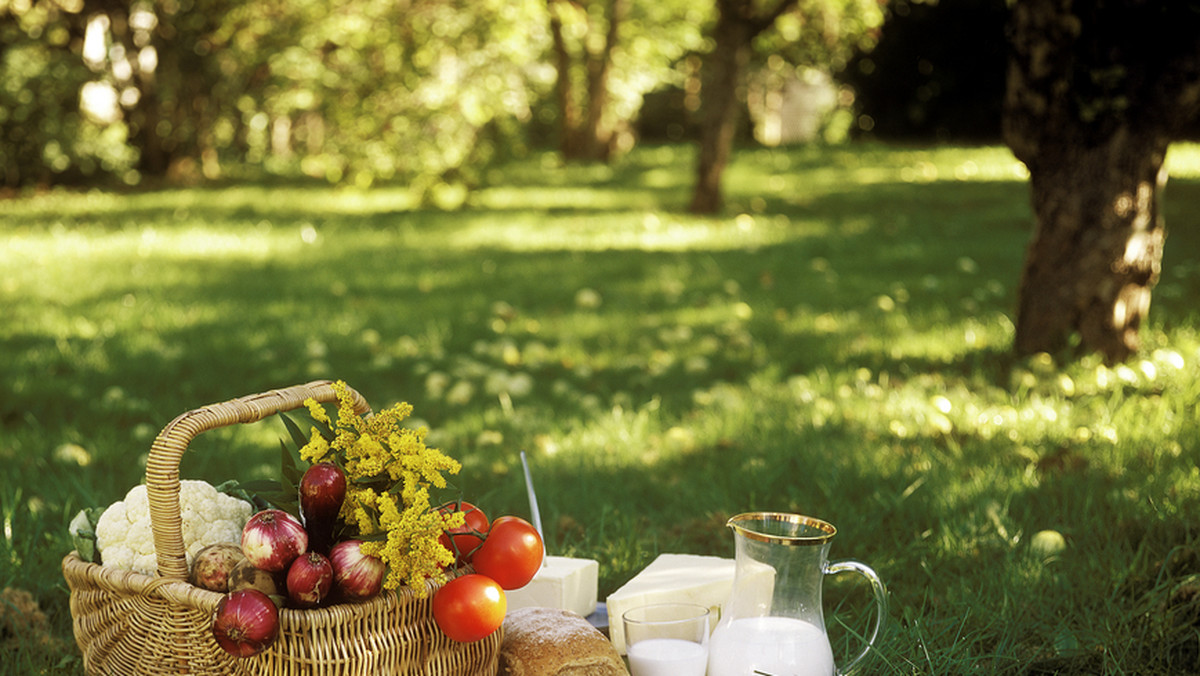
[389, 471]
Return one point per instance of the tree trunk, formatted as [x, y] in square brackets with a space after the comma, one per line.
[145, 116]
[737, 25]
[564, 91]
[147, 134]
[1091, 107]
[1097, 247]
[597, 131]
[586, 128]
[718, 127]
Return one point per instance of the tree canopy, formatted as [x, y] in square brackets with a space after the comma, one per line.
[358, 92]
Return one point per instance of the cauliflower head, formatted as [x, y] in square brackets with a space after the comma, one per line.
[125, 540]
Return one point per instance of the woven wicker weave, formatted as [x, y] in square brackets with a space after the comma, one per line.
[127, 623]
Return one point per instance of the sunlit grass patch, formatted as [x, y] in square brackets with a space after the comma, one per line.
[1183, 160]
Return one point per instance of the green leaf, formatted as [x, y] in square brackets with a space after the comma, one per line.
[324, 430]
[256, 492]
[376, 481]
[293, 429]
[263, 485]
[288, 502]
[288, 466]
[1066, 642]
[83, 533]
[270, 494]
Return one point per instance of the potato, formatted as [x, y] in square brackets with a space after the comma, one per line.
[213, 564]
[246, 576]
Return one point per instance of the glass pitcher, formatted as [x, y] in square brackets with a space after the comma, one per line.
[772, 624]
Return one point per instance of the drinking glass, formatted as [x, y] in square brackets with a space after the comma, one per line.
[667, 639]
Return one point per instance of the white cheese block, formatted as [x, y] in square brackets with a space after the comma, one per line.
[753, 592]
[672, 578]
[563, 582]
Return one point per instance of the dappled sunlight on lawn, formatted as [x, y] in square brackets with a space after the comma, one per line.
[837, 343]
[626, 230]
[97, 206]
[150, 243]
[1183, 160]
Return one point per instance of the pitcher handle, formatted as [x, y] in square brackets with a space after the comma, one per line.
[880, 591]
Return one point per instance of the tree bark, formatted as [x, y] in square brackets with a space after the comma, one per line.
[1097, 248]
[564, 90]
[586, 129]
[737, 25]
[718, 126]
[597, 130]
[1091, 107]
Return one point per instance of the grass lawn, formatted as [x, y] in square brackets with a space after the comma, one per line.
[838, 345]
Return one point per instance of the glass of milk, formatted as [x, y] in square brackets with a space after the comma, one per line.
[667, 639]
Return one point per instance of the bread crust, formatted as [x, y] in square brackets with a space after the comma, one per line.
[553, 642]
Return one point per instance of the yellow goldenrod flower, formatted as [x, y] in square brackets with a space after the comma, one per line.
[390, 471]
[316, 449]
[317, 411]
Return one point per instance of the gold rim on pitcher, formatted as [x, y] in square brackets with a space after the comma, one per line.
[825, 533]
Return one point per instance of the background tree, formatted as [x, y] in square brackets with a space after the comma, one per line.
[819, 33]
[354, 92]
[586, 132]
[607, 55]
[369, 91]
[44, 137]
[738, 22]
[1092, 105]
[157, 57]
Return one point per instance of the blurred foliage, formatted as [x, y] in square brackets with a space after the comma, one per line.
[43, 135]
[609, 54]
[824, 34]
[421, 92]
[814, 40]
[380, 90]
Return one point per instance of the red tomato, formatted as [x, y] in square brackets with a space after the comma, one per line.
[464, 540]
[511, 554]
[469, 608]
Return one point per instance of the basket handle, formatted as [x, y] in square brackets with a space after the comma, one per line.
[162, 467]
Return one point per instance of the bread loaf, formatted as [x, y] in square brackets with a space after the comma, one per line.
[553, 642]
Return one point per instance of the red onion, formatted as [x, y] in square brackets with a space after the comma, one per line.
[356, 576]
[322, 490]
[309, 580]
[272, 539]
[245, 623]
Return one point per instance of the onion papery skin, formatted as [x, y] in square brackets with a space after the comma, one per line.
[245, 623]
[309, 580]
[272, 539]
[356, 576]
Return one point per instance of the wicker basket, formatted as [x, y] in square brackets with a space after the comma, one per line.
[127, 623]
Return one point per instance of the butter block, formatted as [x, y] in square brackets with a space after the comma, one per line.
[672, 578]
[563, 582]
